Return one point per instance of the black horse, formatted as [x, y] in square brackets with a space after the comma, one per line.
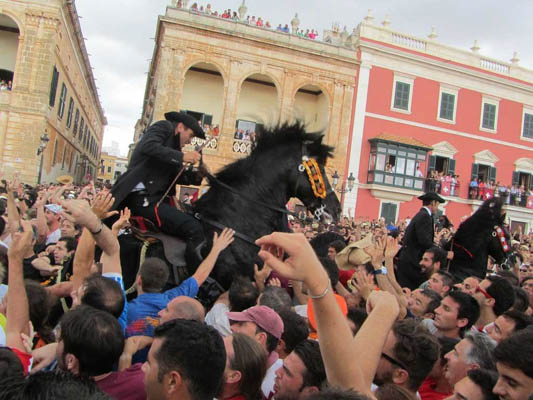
[250, 194]
[478, 237]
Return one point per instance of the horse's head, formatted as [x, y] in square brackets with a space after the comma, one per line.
[311, 184]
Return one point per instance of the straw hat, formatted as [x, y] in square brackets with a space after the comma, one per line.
[65, 179]
[354, 254]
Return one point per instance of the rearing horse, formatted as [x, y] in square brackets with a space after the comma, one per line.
[249, 194]
[478, 237]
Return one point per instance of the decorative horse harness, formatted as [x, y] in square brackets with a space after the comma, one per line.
[497, 231]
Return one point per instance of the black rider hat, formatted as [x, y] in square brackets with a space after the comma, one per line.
[187, 120]
[430, 196]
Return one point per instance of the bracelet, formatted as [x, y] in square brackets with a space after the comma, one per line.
[99, 230]
[326, 290]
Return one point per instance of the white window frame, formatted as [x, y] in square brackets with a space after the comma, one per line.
[455, 93]
[404, 79]
[525, 110]
[495, 102]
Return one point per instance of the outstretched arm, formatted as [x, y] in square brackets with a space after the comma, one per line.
[219, 244]
[18, 310]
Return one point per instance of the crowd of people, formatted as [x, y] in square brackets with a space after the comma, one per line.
[445, 184]
[516, 195]
[6, 85]
[334, 327]
[250, 20]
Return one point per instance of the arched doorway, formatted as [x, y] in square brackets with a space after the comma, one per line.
[258, 106]
[311, 106]
[203, 96]
[9, 40]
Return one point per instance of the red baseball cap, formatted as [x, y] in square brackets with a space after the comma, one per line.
[263, 316]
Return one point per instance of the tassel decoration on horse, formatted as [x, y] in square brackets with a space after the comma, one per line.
[315, 176]
[498, 231]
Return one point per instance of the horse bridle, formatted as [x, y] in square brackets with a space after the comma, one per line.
[497, 231]
[316, 180]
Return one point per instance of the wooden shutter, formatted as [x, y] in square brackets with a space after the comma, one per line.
[475, 171]
[492, 174]
[451, 166]
[432, 162]
[516, 177]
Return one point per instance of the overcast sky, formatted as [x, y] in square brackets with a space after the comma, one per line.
[119, 33]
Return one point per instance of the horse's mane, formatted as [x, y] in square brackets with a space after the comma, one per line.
[280, 136]
[485, 217]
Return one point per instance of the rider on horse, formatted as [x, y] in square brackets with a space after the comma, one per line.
[155, 163]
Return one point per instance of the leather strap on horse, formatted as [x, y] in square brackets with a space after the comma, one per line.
[235, 191]
[218, 225]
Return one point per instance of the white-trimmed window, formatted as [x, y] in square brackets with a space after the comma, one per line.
[527, 124]
[402, 94]
[489, 115]
[447, 105]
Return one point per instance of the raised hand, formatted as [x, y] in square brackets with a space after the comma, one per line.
[123, 221]
[302, 263]
[274, 282]
[224, 240]
[392, 247]
[263, 274]
[102, 203]
[79, 212]
[21, 241]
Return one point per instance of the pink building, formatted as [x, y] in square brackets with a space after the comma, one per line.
[424, 108]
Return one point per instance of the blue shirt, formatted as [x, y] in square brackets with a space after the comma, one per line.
[118, 278]
[142, 311]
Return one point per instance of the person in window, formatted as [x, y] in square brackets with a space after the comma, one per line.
[473, 188]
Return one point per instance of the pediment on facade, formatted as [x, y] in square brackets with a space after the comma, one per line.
[444, 149]
[524, 164]
[486, 157]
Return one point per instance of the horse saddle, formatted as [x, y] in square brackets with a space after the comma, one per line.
[173, 246]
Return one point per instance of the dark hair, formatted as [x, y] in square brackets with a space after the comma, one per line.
[70, 242]
[521, 320]
[509, 276]
[417, 349]
[94, 337]
[10, 365]
[527, 278]
[447, 344]
[103, 294]
[295, 329]
[338, 245]
[315, 372]
[502, 292]
[485, 380]
[439, 255]
[39, 306]
[196, 351]
[271, 342]
[337, 393]
[242, 294]
[276, 298]
[357, 315]
[447, 278]
[250, 359]
[154, 275]
[521, 302]
[331, 268]
[390, 391]
[468, 308]
[51, 385]
[517, 352]
[434, 299]
[2, 223]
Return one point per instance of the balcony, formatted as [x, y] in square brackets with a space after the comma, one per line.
[444, 188]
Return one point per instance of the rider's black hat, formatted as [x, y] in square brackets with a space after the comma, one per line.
[187, 120]
[430, 196]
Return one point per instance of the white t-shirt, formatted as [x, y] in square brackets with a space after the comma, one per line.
[217, 318]
[53, 237]
[267, 387]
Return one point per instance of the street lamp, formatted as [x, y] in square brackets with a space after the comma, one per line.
[350, 181]
[40, 150]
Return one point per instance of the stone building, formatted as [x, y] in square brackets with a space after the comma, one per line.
[42, 52]
[233, 77]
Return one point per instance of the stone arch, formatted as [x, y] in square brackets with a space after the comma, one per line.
[312, 105]
[10, 35]
[259, 96]
[203, 91]
[202, 60]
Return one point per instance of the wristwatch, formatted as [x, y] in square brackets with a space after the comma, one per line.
[381, 271]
